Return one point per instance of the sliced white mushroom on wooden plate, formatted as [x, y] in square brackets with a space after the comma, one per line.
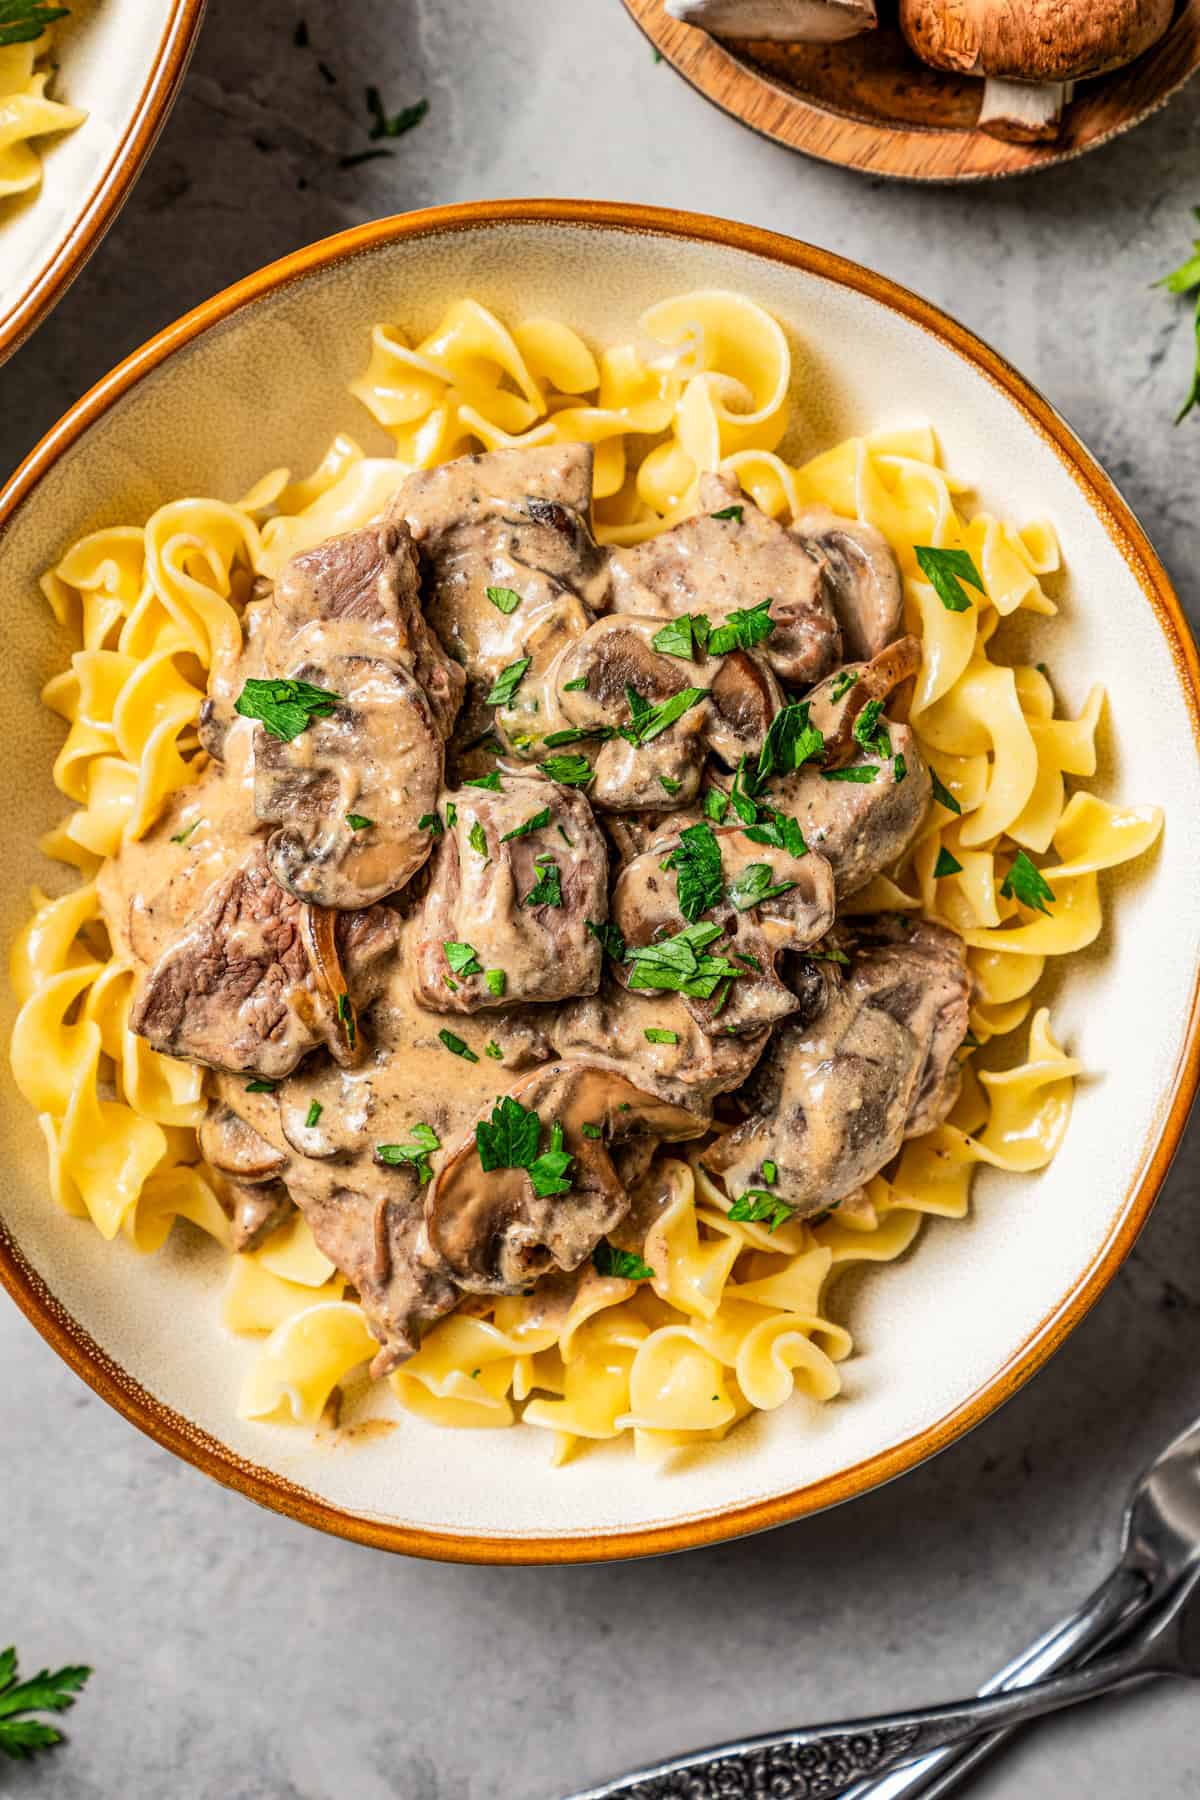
[786, 21]
[1031, 53]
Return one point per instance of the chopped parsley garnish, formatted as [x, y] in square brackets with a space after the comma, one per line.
[669, 785]
[697, 858]
[899, 768]
[770, 1172]
[477, 838]
[431, 822]
[456, 1046]
[547, 890]
[285, 708]
[946, 864]
[757, 1207]
[781, 832]
[578, 686]
[314, 1112]
[495, 981]
[623, 1265]
[647, 722]
[945, 571]
[504, 599]
[260, 1087]
[566, 838]
[1026, 883]
[790, 742]
[942, 794]
[415, 1154]
[729, 512]
[180, 837]
[345, 1013]
[491, 781]
[852, 772]
[357, 822]
[535, 823]
[842, 684]
[451, 813]
[742, 630]
[685, 636]
[591, 1131]
[510, 1141]
[677, 964]
[654, 1034]
[492, 1049]
[869, 732]
[716, 804]
[575, 734]
[751, 962]
[571, 771]
[462, 958]
[49, 1691]
[610, 937]
[833, 955]
[21, 22]
[744, 804]
[754, 885]
[393, 125]
[504, 688]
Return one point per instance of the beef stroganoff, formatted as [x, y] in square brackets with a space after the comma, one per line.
[544, 893]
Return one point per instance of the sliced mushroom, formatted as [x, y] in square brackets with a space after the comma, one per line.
[487, 872]
[495, 1232]
[646, 908]
[835, 704]
[1031, 51]
[231, 1145]
[784, 21]
[732, 556]
[862, 579]
[860, 827]
[376, 757]
[254, 1211]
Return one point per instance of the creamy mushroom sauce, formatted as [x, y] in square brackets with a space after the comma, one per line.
[358, 950]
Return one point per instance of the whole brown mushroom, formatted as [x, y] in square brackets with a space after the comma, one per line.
[1031, 52]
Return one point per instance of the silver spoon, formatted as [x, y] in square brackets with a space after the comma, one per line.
[1150, 1604]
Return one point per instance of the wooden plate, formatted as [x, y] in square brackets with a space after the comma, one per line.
[871, 104]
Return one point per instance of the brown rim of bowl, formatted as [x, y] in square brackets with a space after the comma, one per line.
[112, 186]
[177, 1434]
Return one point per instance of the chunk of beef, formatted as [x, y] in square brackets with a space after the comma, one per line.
[255, 980]
[861, 827]
[715, 565]
[798, 912]
[515, 519]
[918, 973]
[861, 579]
[255, 1210]
[349, 792]
[495, 1231]
[484, 893]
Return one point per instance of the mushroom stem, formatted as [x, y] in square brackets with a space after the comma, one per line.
[785, 21]
[1023, 112]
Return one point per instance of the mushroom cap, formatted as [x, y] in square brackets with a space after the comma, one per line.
[1033, 40]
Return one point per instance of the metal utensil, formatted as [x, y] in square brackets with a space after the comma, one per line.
[1149, 1605]
[1160, 1543]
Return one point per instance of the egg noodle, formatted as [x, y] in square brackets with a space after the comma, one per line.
[735, 1317]
[26, 114]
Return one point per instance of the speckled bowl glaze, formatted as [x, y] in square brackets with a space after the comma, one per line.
[121, 62]
[258, 377]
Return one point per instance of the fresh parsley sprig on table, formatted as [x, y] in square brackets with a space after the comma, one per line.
[22, 21]
[49, 1691]
[1184, 280]
[393, 125]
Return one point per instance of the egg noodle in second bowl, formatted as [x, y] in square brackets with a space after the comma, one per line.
[727, 1316]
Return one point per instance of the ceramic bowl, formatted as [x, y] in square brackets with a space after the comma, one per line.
[121, 62]
[257, 377]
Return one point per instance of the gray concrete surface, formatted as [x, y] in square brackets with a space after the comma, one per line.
[239, 1656]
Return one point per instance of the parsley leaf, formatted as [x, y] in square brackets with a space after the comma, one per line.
[869, 733]
[477, 838]
[462, 958]
[1182, 280]
[648, 722]
[844, 681]
[451, 813]
[685, 636]
[729, 512]
[790, 742]
[899, 768]
[21, 22]
[852, 772]
[716, 805]
[431, 822]
[946, 864]
[181, 837]
[677, 965]
[757, 1207]
[547, 890]
[491, 781]
[534, 823]
[551, 1172]
[571, 771]
[669, 785]
[752, 886]
[314, 1113]
[942, 794]
[285, 708]
[1026, 883]
[345, 1015]
[697, 857]
[507, 682]
[504, 599]
[770, 1172]
[416, 1154]
[357, 822]
[742, 630]
[654, 1034]
[510, 1140]
[946, 570]
[49, 1690]
[610, 937]
[496, 981]
[456, 1046]
[396, 124]
[578, 686]
[492, 1049]
[781, 832]
[621, 1264]
[575, 734]
[591, 1131]
[260, 1087]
